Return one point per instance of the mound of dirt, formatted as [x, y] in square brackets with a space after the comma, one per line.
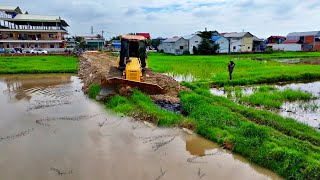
[95, 65]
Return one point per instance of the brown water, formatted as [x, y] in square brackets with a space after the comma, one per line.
[50, 130]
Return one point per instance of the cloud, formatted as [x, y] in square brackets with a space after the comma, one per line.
[180, 17]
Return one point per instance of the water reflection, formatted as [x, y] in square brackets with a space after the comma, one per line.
[21, 87]
[180, 77]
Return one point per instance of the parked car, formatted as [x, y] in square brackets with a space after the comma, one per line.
[12, 51]
[38, 51]
[1, 50]
[18, 49]
[26, 50]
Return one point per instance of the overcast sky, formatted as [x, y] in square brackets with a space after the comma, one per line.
[167, 18]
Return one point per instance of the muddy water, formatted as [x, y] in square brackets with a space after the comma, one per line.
[50, 130]
[307, 112]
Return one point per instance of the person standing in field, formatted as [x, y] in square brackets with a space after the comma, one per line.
[230, 68]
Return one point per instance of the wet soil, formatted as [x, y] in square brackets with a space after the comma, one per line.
[95, 65]
[43, 137]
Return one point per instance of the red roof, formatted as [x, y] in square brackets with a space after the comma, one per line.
[146, 35]
[291, 42]
[282, 37]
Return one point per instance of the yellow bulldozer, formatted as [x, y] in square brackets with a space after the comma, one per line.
[133, 62]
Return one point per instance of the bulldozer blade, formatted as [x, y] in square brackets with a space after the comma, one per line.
[116, 83]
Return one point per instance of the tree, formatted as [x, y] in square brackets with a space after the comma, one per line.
[80, 42]
[195, 50]
[206, 34]
[98, 36]
[155, 42]
[205, 47]
[115, 38]
[215, 48]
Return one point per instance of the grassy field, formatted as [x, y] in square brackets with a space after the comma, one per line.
[38, 64]
[213, 69]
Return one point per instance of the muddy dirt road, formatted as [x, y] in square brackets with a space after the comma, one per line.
[50, 130]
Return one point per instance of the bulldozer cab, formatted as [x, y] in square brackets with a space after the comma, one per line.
[132, 47]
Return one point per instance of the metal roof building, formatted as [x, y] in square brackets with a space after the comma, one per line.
[20, 29]
[310, 39]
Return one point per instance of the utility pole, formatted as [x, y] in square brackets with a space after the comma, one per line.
[102, 38]
[91, 29]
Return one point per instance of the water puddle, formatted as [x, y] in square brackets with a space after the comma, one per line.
[312, 61]
[306, 112]
[180, 77]
[50, 130]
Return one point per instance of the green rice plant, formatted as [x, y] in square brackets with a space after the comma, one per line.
[309, 106]
[266, 88]
[238, 92]
[38, 64]
[227, 88]
[94, 90]
[214, 70]
[293, 95]
[269, 97]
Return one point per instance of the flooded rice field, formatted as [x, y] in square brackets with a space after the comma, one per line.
[50, 130]
[306, 112]
[311, 61]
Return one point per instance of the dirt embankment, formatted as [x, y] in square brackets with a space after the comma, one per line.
[95, 65]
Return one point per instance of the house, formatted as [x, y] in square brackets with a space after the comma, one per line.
[146, 35]
[258, 44]
[31, 31]
[93, 42]
[224, 45]
[240, 41]
[276, 39]
[310, 40]
[288, 45]
[176, 45]
[193, 41]
[116, 45]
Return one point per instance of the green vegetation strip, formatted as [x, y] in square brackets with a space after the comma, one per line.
[38, 64]
[271, 98]
[213, 69]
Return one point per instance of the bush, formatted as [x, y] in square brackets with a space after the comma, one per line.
[195, 50]
[161, 51]
[186, 52]
[268, 50]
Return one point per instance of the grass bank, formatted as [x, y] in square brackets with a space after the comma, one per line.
[213, 69]
[38, 64]
[139, 105]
